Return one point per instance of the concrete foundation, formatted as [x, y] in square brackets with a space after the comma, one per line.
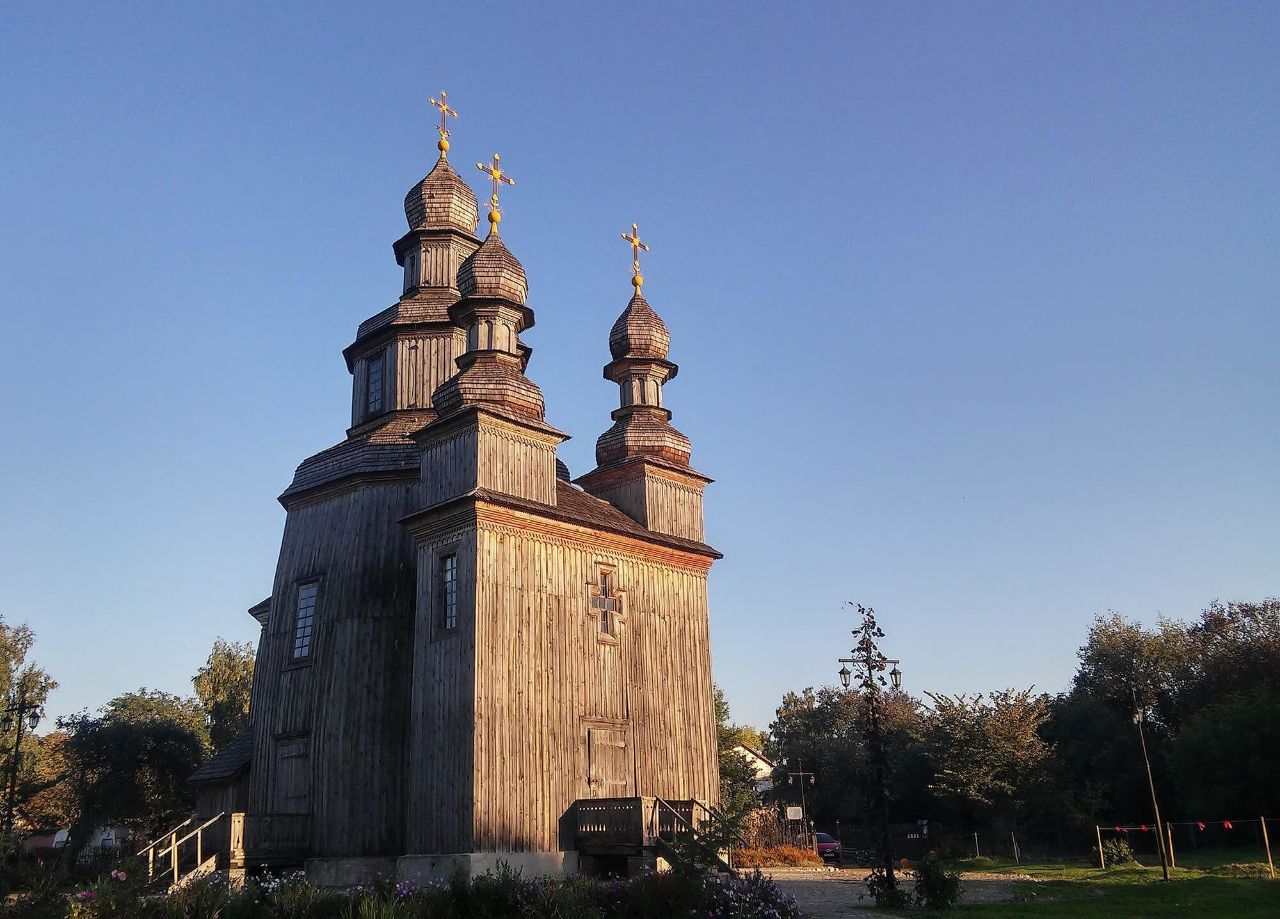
[422, 869]
[347, 872]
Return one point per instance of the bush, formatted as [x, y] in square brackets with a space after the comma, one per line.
[503, 892]
[776, 857]
[1117, 852]
[887, 895]
[936, 887]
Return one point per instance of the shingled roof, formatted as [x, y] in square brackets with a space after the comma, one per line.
[227, 762]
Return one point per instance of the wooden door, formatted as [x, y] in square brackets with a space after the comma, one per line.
[610, 762]
[293, 777]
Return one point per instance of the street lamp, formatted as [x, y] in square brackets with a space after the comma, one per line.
[866, 656]
[19, 713]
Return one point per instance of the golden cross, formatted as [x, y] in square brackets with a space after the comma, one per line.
[637, 279]
[495, 173]
[445, 114]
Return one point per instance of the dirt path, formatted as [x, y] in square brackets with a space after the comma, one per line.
[840, 893]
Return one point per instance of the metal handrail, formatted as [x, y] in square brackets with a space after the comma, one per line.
[163, 836]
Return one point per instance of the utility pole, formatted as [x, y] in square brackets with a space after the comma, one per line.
[1138, 718]
[791, 778]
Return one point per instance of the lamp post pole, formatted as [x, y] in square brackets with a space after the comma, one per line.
[1138, 718]
[27, 715]
[866, 656]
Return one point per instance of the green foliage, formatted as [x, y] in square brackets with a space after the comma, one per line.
[987, 751]
[223, 686]
[501, 893]
[936, 887]
[888, 893]
[737, 775]
[130, 762]
[1117, 853]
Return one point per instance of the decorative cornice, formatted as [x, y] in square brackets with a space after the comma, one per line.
[495, 517]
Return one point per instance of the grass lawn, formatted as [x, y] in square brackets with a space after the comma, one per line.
[1078, 890]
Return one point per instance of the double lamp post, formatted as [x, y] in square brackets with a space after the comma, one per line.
[869, 664]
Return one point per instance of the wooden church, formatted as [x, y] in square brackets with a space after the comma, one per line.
[466, 655]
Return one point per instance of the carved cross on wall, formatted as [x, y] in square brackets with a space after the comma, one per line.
[606, 603]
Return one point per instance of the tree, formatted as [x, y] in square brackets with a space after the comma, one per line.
[737, 775]
[25, 686]
[822, 729]
[47, 797]
[130, 762]
[988, 754]
[224, 685]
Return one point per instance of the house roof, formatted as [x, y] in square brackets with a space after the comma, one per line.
[228, 761]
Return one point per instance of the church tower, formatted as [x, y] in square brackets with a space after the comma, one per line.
[642, 462]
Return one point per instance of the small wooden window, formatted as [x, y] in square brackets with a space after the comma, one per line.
[411, 270]
[447, 591]
[304, 622]
[605, 603]
[374, 385]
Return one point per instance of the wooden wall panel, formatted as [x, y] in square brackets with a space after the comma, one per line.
[542, 673]
[438, 788]
[351, 700]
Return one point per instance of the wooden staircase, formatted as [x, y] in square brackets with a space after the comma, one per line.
[190, 851]
[231, 842]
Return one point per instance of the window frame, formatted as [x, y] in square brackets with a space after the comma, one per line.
[434, 597]
[303, 660]
[606, 604]
[447, 591]
[379, 358]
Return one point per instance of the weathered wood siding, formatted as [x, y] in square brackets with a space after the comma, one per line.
[422, 363]
[664, 501]
[438, 786]
[494, 455]
[544, 679]
[349, 701]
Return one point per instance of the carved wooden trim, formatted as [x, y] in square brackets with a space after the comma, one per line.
[502, 519]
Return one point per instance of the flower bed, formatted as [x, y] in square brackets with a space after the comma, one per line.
[777, 857]
[498, 894]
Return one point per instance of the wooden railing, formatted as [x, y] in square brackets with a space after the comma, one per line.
[611, 821]
[208, 839]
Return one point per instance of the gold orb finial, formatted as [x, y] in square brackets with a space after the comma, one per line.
[498, 177]
[637, 279]
[443, 129]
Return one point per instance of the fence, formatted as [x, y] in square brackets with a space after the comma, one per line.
[1183, 838]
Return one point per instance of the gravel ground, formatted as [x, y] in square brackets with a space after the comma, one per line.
[834, 893]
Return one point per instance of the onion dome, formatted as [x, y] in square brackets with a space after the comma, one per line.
[442, 201]
[562, 471]
[639, 332]
[491, 379]
[643, 432]
[492, 271]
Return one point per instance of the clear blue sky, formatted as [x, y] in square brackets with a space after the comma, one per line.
[975, 305]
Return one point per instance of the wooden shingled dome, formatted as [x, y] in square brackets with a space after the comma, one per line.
[639, 332]
[442, 200]
[492, 271]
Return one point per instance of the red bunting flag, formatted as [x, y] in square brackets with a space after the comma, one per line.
[1144, 828]
[1199, 826]
[1226, 824]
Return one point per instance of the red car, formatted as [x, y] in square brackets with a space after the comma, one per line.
[828, 847]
